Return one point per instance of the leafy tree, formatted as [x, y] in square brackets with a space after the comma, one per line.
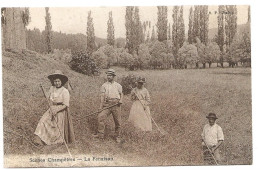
[48, 30]
[91, 45]
[240, 48]
[144, 56]
[212, 53]
[100, 59]
[201, 52]
[110, 30]
[188, 55]
[153, 37]
[82, 63]
[109, 51]
[157, 50]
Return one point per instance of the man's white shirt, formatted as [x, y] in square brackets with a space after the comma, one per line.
[212, 134]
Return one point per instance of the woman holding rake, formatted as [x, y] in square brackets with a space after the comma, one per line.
[55, 126]
[140, 112]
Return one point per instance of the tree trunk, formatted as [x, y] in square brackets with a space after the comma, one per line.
[222, 65]
[204, 65]
[197, 65]
[14, 36]
[209, 64]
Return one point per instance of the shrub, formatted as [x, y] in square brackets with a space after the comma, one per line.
[128, 83]
[82, 63]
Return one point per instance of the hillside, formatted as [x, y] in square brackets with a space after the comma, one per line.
[214, 31]
[180, 101]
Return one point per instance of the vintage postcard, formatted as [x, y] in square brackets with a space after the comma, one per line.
[126, 86]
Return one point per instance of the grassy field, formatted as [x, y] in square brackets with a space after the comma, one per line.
[180, 101]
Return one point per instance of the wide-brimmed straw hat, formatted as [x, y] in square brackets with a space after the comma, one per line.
[141, 80]
[211, 116]
[111, 72]
[58, 74]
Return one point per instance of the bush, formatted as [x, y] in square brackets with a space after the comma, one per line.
[82, 63]
[100, 59]
[128, 83]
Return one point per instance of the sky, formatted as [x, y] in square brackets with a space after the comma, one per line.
[74, 20]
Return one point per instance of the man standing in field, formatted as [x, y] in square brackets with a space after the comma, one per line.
[111, 95]
[212, 137]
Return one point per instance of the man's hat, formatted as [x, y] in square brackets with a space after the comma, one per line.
[111, 72]
[141, 80]
[58, 74]
[211, 115]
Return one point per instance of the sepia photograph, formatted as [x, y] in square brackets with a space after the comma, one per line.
[110, 86]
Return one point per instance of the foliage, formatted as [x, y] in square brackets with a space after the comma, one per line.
[204, 24]
[201, 51]
[221, 34]
[162, 23]
[212, 52]
[91, 45]
[230, 24]
[82, 63]
[187, 55]
[109, 51]
[144, 56]
[48, 31]
[169, 36]
[100, 59]
[190, 31]
[26, 16]
[137, 31]
[178, 30]
[153, 36]
[110, 30]
[128, 83]
[240, 48]
[129, 23]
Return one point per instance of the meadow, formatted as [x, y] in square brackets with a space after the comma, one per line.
[181, 99]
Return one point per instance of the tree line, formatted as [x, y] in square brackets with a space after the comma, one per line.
[160, 46]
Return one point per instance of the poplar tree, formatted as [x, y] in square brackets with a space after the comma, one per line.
[178, 31]
[110, 30]
[129, 22]
[175, 31]
[169, 32]
[190, 31]
[153, 36]
[48, 30]
[91, 45]
[162, 23]
[230, 24]
[221, 31]
[181, 35]
[249, 14]
[137, 30]
[204, 24]
[230, 31]
[196, 23]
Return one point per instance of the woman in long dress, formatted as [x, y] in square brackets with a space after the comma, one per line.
[55, 126]
[140, 112]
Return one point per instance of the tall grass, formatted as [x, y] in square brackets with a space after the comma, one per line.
[180, 101]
